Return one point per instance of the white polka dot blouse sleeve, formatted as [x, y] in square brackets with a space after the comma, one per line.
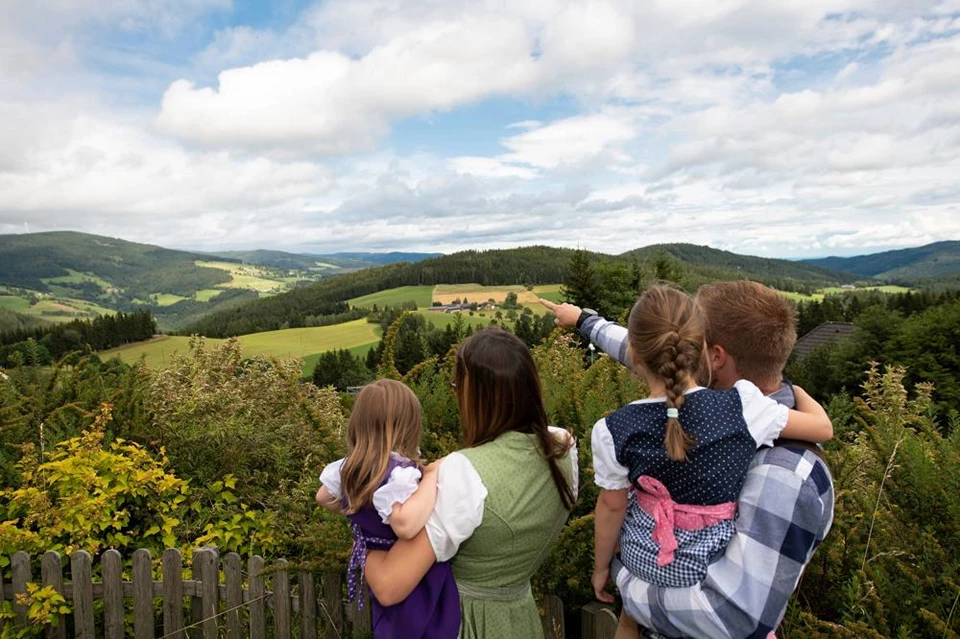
[608, 473]
[764, 416]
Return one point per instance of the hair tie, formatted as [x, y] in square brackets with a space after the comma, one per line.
[673, 412]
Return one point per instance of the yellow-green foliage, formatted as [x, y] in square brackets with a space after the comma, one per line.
[43, 604]
[253, 439]
[890, 566]
[88, 494]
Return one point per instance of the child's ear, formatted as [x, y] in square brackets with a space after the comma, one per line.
[635, 364]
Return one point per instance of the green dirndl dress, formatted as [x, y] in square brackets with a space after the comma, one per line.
[523, 516]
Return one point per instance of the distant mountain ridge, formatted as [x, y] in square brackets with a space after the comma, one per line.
[382, 258]
[28, 259]
[723, 264]
[321, 261]
[907, 265]
[184, 288]
[525, 265]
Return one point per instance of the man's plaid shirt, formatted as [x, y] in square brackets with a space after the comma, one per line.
[784, 511]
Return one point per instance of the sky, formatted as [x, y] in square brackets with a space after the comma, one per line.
[780, 128]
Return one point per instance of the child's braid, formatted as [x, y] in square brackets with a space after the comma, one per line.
[674, 370]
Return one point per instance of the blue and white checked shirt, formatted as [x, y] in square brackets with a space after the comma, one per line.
[785, 510]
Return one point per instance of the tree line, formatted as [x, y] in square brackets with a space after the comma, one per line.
[47, 344]
[917, 330]
[616, 278]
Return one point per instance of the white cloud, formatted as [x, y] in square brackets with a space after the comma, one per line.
[331, 103]
[572, 143]
[493, 168]
[775, 128]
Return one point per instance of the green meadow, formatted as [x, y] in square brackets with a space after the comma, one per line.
[207, 294]
[166, 299]
[54, 309]
[289, 343]
[422, 295]
[838, 290]
[76, 277]
[250, 277]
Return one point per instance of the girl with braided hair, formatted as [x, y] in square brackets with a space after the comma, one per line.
[670, 466]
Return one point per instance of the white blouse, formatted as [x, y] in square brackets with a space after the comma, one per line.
[399, 487]
[460, 499]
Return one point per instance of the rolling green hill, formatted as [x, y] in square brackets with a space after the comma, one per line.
[331, 264]
[100, 267]
[303, 343]
[14, 321]
[714, 264]
[937, 260]
[530, 265]
[281, 259]
[527, 265]
[61, 276]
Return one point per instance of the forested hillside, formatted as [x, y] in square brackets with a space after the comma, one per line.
[905, 265]
[713, 264]
[13, 321]
[526, 266]
[132, 270]
[368, 258]
[331, 264]
[529, 265]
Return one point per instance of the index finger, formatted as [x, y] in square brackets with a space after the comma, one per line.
[550, 305]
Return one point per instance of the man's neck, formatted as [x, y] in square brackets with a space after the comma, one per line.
[769, 386]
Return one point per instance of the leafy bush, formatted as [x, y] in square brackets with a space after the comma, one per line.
[890, 566]
[90, 495]
[251, 422]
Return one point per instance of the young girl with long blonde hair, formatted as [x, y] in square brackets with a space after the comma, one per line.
[387, 496]
[682, 454]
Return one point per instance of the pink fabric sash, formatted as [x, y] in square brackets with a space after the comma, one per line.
[655, 500]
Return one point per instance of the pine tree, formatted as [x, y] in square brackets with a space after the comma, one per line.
[581, 287]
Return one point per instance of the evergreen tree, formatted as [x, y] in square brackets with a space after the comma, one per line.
[340, 369]
[581, 287]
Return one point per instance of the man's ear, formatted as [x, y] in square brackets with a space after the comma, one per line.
[718, 357]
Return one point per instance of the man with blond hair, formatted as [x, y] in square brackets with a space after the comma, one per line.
[785, 507]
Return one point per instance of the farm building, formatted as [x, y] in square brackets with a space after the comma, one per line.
[823, 334]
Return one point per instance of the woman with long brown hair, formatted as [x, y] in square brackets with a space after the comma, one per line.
[501, 501]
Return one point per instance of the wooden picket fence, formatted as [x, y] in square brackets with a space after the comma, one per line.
[238, 603]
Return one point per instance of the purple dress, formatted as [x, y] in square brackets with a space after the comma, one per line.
[432, 610]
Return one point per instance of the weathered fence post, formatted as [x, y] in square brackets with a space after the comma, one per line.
[281, 600]
[205, 590]
[308, 606]
[20, 566]
[173, 594]
[80, 570]
[196, 603]
[332, 605]
[234, 588]
[51, 574]
[553, 622]
[258, 626]
[3, 594]
[209, 589]
[142, 594]
[598, 621]
[363, 619]
[112, 565]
